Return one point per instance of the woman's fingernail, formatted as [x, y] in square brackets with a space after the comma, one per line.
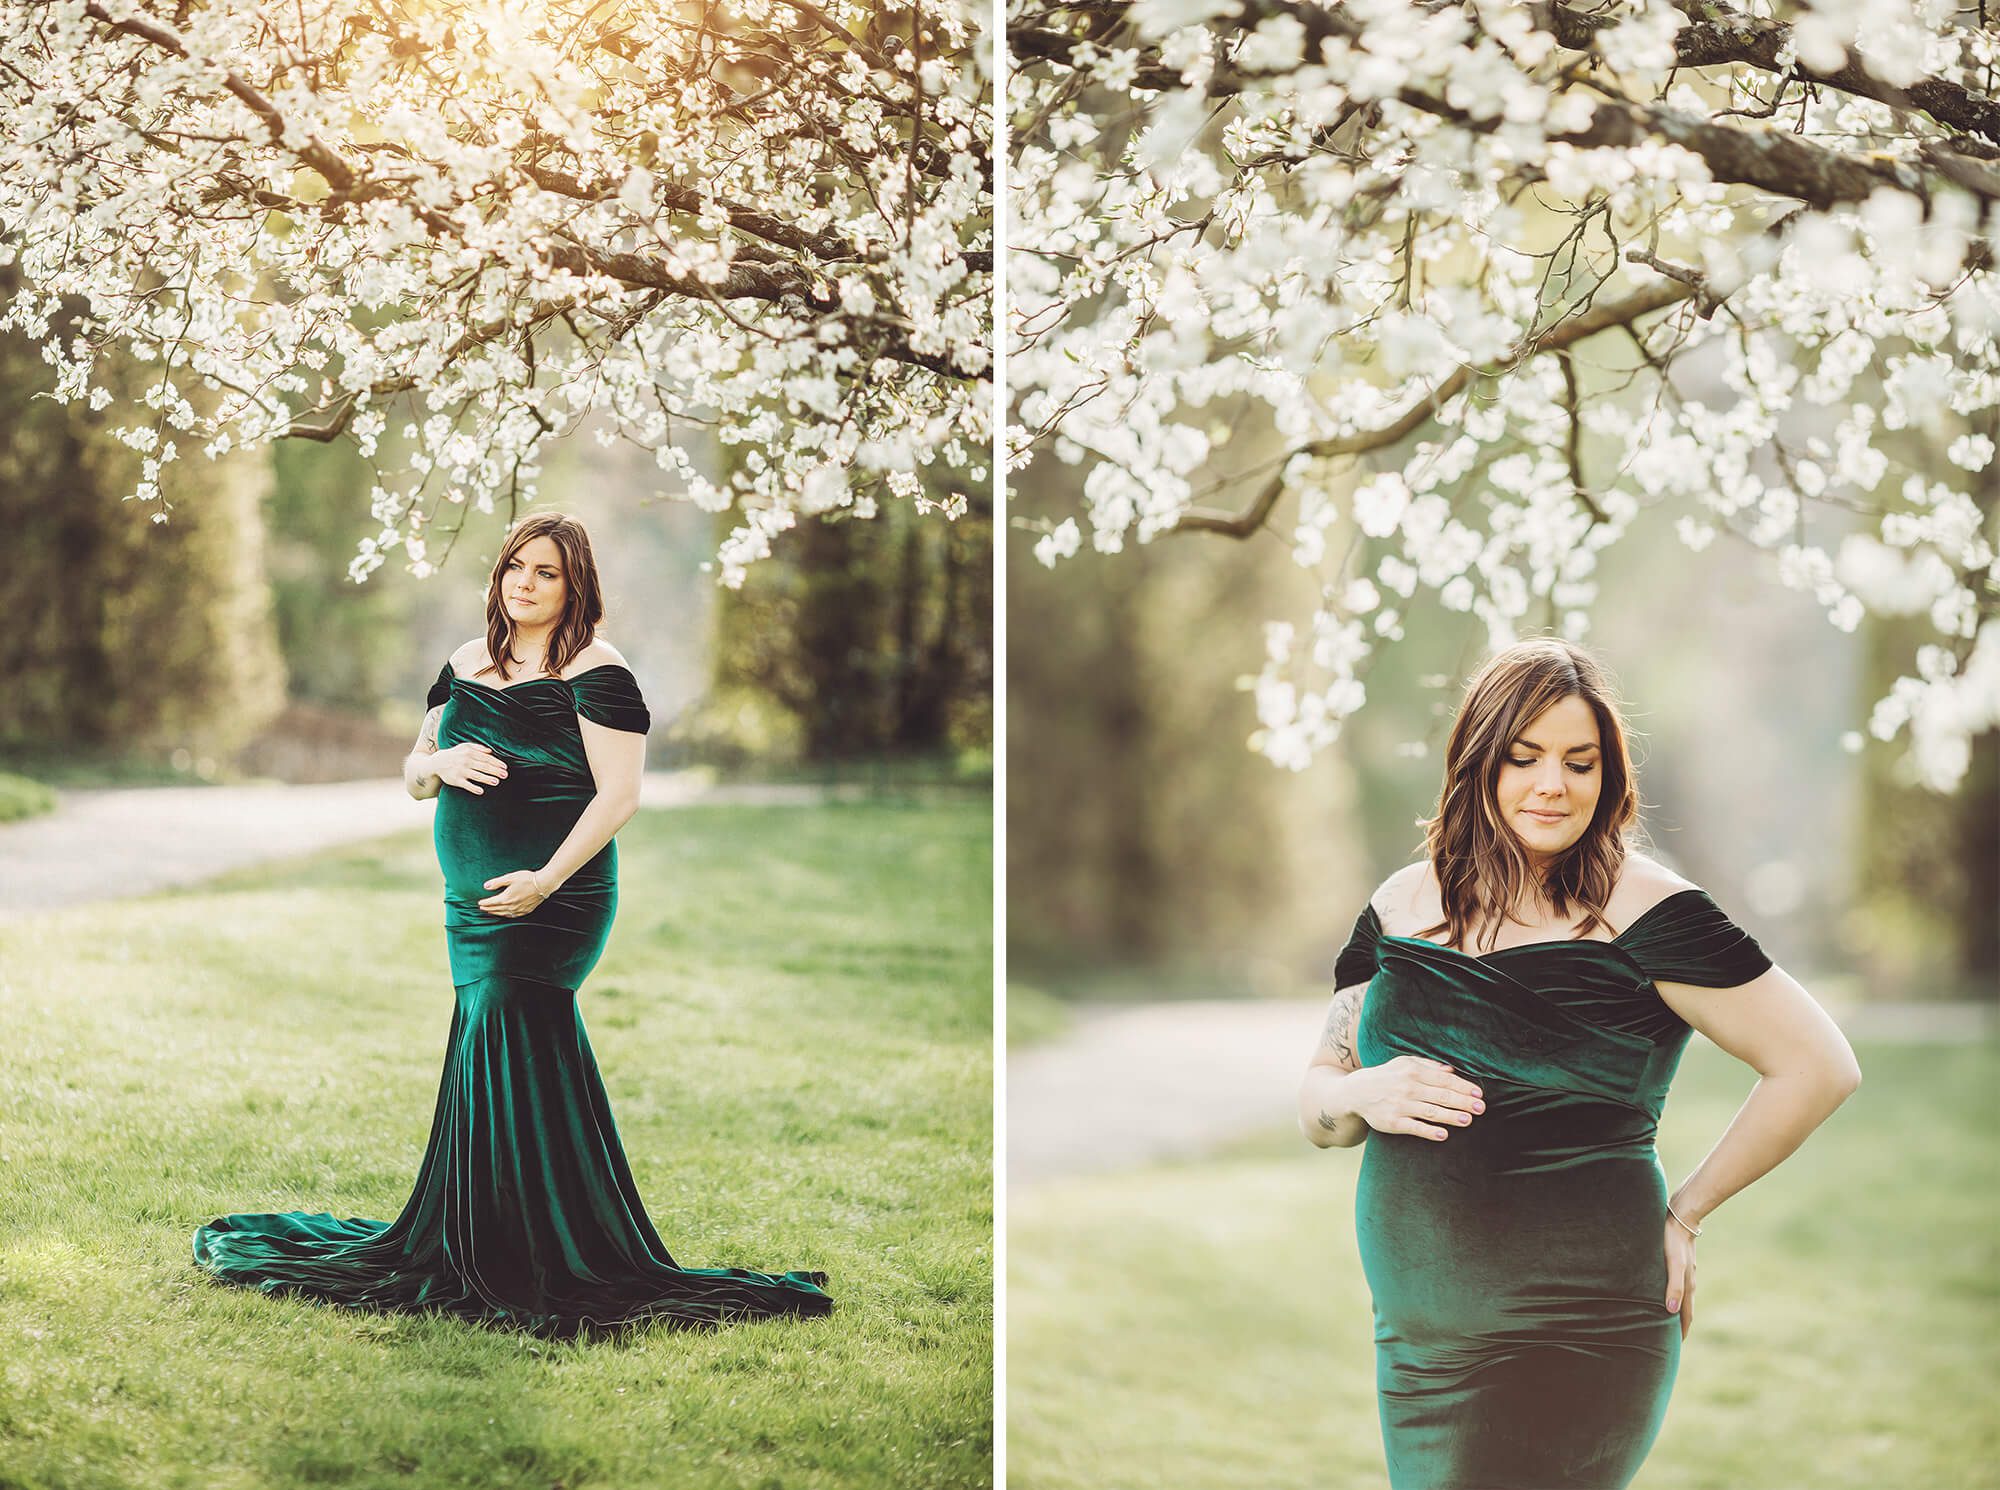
[1673, 1306]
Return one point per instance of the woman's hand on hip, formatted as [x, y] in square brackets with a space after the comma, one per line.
[1680, 1274]
[520, 891]
[1412, 1094]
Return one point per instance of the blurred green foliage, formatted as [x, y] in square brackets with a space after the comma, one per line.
[1141, 830]
[133, 637]
[855, 639]
[1034, 1017]
[345, 644]
[21, 798]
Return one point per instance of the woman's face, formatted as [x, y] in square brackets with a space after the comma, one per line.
[1549, 778]
[532, 585]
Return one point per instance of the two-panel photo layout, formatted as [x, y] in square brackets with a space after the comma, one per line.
[1000, 745]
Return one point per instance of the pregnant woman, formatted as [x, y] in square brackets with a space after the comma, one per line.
[524, 1213]
[1507, 1018]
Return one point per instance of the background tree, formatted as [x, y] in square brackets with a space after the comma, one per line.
[862, 640]
[344, 650]
[1136, 834]
[128, 637]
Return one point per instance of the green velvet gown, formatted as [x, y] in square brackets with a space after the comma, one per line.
[524, 1213]
[1522, 1338]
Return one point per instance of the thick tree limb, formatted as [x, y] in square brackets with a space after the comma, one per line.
[1719, 35]
[825, 246]
[1056, 46]
[1771, 160]
[1563, 334]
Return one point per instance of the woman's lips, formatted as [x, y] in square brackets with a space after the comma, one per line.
[1546, 817]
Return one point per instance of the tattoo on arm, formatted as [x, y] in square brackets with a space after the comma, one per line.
[429, 737]
[1339, 1033]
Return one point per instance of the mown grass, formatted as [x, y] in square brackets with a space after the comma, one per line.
[794, 1020]
[1206, 1326]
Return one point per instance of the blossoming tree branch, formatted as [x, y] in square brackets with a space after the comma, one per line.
[1492, 278]
[765, 222]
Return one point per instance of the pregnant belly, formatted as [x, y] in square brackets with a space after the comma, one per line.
[560, 940]
[1540, 1219]
[480, 837]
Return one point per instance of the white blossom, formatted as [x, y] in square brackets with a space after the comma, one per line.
[1061, 542]
[1972, 452]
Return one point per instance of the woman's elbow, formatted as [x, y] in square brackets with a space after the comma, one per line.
[621, 801]
[1322, 1134]
[1836, 1076]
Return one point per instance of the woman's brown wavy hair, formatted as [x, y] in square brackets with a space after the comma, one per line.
[583, 595]
[1481, 868]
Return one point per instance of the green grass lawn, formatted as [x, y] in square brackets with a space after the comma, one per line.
[1206, 1326]
[794, 1020]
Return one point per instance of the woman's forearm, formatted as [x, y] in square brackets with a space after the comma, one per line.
[1773, 1121]
[1324, 1115]
[595, 826]
[418, 778]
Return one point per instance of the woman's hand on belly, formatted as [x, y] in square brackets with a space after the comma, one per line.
[1411, 1094]
[469, 766]
[520, 891]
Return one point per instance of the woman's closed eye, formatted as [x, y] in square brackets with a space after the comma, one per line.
[1581, 768]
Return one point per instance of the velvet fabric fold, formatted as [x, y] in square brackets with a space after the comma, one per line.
[524, 1213]
[1517, 1267]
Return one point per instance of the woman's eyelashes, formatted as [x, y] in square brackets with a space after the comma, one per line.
[1581, 768]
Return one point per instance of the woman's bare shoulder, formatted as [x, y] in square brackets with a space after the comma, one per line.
[1395, 897]
[596, 653]
[470, 656]
[1643, 882]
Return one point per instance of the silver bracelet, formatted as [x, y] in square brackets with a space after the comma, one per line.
[1691, 1230]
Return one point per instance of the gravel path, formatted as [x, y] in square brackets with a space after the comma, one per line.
[1134, 1085]
[1128, 1086]
[109, 843]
